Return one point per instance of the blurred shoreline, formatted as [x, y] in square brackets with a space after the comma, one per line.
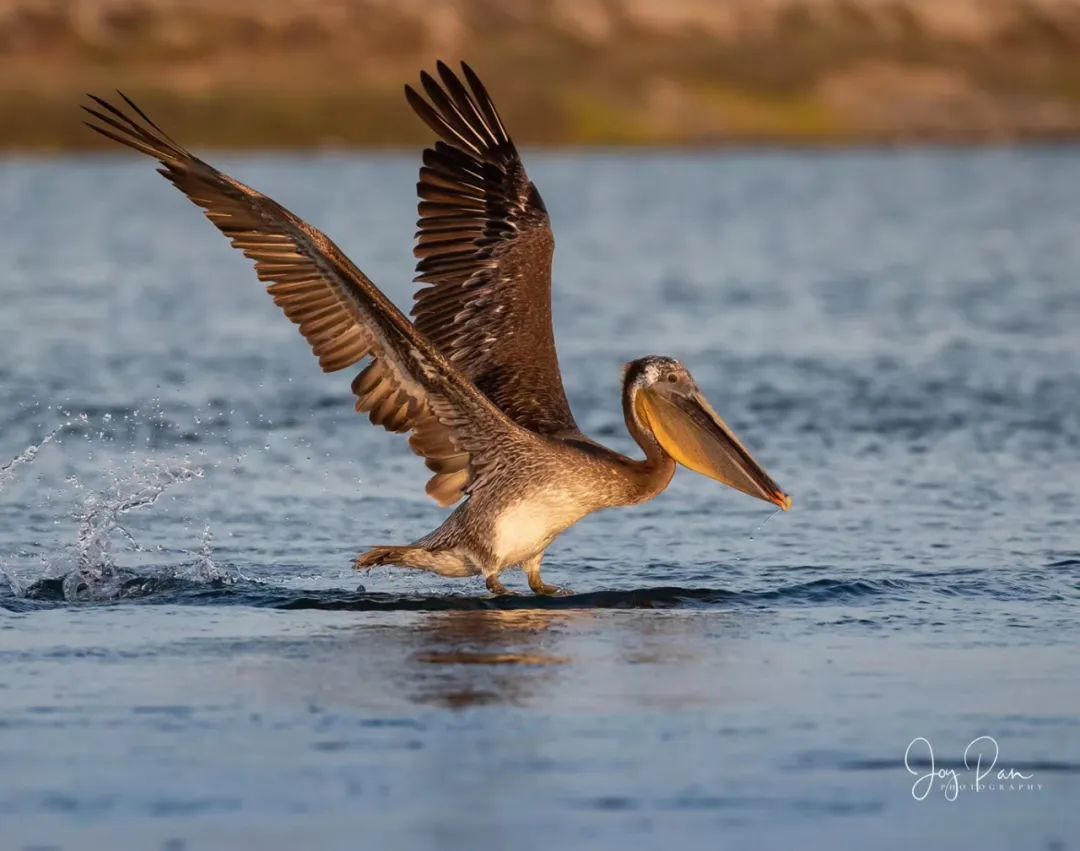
[616, 73]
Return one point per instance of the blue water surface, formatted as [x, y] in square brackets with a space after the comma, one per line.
[187, 660]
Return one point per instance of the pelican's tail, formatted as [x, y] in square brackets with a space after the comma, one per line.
[442, 562]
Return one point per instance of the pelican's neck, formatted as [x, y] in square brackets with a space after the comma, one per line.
[656, 470]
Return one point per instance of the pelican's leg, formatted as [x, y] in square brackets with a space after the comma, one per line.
[532, 571]
[496, 587]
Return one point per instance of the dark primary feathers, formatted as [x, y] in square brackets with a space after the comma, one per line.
[409, 385]
[485, 248]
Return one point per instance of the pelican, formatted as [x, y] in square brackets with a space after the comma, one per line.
[473, 378]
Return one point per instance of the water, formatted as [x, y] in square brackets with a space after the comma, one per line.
[186, 660]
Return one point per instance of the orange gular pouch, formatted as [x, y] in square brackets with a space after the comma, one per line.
[693, 434]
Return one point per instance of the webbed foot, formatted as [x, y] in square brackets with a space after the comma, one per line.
[538, 585]
[544, 590]
[497, 588]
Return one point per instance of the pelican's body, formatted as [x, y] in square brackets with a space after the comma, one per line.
[513, 521]
[474, 378]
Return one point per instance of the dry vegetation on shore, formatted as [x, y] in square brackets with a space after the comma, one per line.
[287, 73]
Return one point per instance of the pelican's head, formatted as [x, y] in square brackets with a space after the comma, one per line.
[667, 402]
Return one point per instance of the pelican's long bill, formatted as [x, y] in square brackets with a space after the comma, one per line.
[697, 437]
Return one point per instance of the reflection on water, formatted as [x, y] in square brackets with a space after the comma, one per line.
[477, 658]
[399, 663]
[543, 658]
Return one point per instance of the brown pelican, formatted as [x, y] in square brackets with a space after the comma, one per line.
[474, 378]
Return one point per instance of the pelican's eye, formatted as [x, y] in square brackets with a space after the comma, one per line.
[672, 377]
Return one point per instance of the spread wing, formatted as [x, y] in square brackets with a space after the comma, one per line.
[484, 249]
[409, 385]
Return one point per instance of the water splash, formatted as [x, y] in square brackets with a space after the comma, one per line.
[87, 570]
[101, 515]
[106, 581]
[8, 470]
[205, 564]
[204, 570]
[96, 575]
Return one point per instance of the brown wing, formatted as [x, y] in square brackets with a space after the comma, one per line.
[484, 249]
[409, 385]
